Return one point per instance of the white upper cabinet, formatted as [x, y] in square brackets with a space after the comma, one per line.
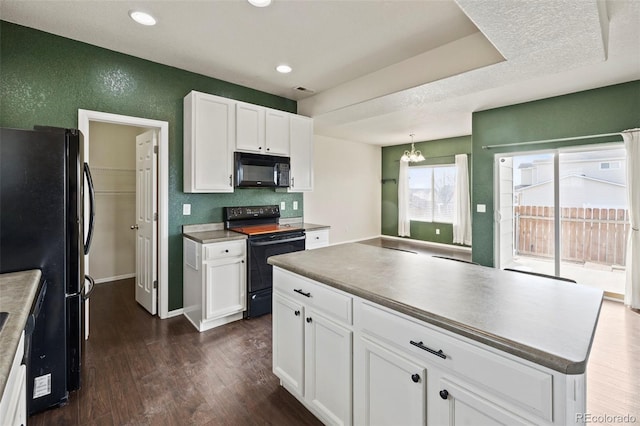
[262, 130]
[209, 137]
[250, 128]
[277, 132]
[301, 151]
[215, 127]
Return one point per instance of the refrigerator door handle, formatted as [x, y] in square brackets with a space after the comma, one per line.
[92, 285]
[92, 202]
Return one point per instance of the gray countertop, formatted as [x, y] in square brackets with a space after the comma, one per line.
[217, 236]
[213, 235]
[17, 291]
[548, 322]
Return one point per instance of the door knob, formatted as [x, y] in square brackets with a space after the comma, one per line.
[444, 394]
[415, 378]
[297, 313]
[134, 226]
[309, 319]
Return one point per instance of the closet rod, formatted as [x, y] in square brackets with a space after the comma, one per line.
[575, 138]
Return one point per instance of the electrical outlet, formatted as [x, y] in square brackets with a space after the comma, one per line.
[295, 205]
[186, 209]
[481, 208]
[283, 205]
[437, 231]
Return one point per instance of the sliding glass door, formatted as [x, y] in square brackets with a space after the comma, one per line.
[569, 215]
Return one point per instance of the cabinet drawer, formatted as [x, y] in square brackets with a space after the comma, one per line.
[526, 387]
[316, 239]
[313, 294]
[224, 249]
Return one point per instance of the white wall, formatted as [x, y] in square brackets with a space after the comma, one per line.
[347, 194]
[112, 160]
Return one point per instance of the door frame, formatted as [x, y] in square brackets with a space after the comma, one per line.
[87, 116]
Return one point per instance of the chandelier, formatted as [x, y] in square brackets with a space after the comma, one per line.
[413, 156]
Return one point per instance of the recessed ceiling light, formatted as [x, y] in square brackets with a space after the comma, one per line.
[142, 17]
[260, 3]
[284, 69]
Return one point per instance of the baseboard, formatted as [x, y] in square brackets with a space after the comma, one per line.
[116, 278]
[462, 249]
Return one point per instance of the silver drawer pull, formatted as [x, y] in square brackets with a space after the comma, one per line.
[431, 351]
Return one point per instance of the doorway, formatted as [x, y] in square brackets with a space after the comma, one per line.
[564, 213]
[85, 118]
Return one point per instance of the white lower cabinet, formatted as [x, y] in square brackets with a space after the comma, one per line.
[214, 287]
[312, 353]
[391, 389]
[13, 405]
[461, 406]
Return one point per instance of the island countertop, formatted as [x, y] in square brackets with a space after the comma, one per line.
[545, 321]
[17, 291]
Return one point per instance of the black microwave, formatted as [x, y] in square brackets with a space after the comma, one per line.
[257, 170]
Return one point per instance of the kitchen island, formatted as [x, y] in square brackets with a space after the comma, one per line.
[475, 344]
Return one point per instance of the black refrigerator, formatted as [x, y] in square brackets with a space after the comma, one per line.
[42, 186]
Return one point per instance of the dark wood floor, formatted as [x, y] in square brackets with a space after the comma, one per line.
[142, 370]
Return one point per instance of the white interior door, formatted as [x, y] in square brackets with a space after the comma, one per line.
[504, 212]
[146, 220]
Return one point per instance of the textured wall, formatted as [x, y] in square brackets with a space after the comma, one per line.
[45, 79]
[351, 205]
[445, 150]
[604, 110]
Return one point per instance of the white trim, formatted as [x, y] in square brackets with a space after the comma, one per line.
[175, 313]
[116, 278]
[86, 116]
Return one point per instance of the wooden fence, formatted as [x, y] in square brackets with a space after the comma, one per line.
[587, 234]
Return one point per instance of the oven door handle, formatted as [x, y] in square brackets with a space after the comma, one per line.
[271, 242]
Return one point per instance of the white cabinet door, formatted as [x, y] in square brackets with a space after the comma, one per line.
[389, 389]
[277, 132]
[459, 406]
[288, 343]
[301, 149]
[224, 287]
[208, 143]
[328, 368]
[250, 128]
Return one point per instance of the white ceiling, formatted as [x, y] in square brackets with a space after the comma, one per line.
[379, 69]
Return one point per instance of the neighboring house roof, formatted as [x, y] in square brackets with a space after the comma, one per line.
[587, 178]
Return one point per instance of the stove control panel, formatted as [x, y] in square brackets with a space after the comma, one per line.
[251, 212]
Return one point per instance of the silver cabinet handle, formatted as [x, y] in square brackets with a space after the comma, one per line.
[134, 226]
[230, 180]
[293, 182]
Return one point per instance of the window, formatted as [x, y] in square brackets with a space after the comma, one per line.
[609, 165]
[431, 193]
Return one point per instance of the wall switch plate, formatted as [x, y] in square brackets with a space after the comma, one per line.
[295, 205]
[437, 231]
[481, 208]
[186, 209]
[283, 205]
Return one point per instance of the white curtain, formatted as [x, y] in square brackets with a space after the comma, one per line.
[462, 205]
[404, 224]
[632, 289]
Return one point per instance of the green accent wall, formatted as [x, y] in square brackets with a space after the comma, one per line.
[603, 110]
[440, 151]
[45, 79]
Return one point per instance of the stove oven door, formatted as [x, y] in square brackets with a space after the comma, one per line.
[260, 273]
